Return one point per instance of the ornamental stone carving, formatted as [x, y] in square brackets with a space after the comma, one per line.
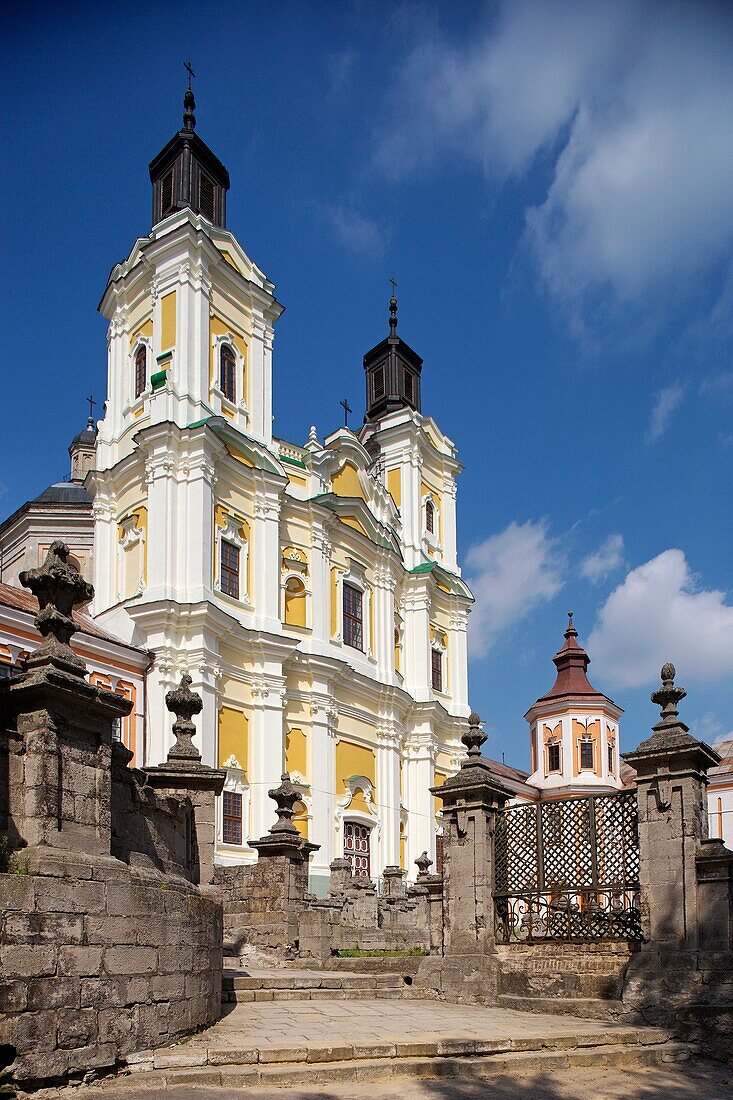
[59, 588]
[474, 738]
[184, 703]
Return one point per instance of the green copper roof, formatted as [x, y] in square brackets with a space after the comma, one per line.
[425, 567]
[292, 461]
[198, 423]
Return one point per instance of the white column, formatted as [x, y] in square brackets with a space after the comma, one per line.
[267, 753]
[388, 797]
[450, 554]
[105, 545]
[320, 582]
[420, 776]
[265, 552]
[324, 722]
[458, 661]
[416, 640]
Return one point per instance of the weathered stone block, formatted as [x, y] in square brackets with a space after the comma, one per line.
[27, 961]
[130, 960]
[46, 993]
[77, 1028]
[83, 961]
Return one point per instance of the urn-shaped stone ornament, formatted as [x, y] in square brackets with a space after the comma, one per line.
[184, 703]
[473, 738]
[59, 587]
[285, 796]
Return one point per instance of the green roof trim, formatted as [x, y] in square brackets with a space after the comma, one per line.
[292, 461]
[200, 423]
[425, 567]
[157, 381]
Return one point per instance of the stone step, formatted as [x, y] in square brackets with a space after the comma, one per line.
[283, 1067]
[287, 985]
[589, 1008]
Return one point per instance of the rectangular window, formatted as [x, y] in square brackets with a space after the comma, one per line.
[378, 383]
[228, 373]
[409, 387]
[232, 830]
[586, 756]
[206, 197]
[610, 757]
[141, 370]
[553, 758]
[353, 617]
[436, 669]
[229, 571]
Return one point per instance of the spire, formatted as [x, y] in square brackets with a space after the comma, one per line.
[571, 663]
[392, 371]
[393, 318]
[83, 447]
[186, 174]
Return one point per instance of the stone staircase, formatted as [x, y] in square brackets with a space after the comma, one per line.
[346, 1027]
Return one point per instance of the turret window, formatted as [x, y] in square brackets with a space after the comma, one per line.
[430, 517]
[586, 756]
[353, 617]
[553, 757]
[378, 383]
[206, 196]
[229, 572]
[409, 387]
[166, 193]
[228, 374]
[141, 370]
[611, 754]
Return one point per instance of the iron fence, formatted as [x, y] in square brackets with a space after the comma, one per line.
[568, 870]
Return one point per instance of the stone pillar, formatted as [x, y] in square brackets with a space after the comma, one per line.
[471, 801]
[59, 727]
[281, 874]
[324, 723]
[341, 875]
[394, 882]
[388, 795]
[684, 877]
[671, 768]
[184, 773]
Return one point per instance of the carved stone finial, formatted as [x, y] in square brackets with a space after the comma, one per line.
[184, 703]
[668, 696]
[423, 863]
[286, 795]
[474, 738]
[59, 587]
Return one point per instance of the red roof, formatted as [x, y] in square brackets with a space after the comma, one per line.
[20, 600]
[572, 664]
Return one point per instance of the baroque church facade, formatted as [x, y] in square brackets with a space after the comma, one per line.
[311, 591]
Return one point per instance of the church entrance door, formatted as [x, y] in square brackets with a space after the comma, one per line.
[356, 848]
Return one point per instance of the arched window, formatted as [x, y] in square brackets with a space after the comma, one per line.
[430, 517]
[228, 373]
[141, 369]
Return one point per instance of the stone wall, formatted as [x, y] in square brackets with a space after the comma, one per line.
[263, 902]
[149, 829]
[564, 971]
[97, 960]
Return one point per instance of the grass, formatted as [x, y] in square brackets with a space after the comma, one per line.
[378, 953]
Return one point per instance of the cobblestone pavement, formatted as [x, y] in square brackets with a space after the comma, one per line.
[302, 1023]
[687, 1082]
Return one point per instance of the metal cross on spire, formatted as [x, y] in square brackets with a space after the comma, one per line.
[189, 70]
[91, 403]
[393, 281]
[347, 409]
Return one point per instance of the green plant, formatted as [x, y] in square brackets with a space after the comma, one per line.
[379, 953]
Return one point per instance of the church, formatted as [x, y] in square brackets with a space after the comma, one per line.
[311, 590]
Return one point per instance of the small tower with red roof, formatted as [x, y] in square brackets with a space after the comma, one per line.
[574, 729]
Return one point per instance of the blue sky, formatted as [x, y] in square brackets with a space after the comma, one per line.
[553, 183]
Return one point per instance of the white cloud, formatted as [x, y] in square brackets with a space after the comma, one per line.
[609, 556]
[666, 403]
[510, 573]
[660, 613]
[355, 231]
[629, 102]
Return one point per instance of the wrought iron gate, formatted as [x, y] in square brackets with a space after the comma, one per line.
[568, 870]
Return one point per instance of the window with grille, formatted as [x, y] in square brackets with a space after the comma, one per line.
[356, 848]
[436, 669]
[141, 370]
[553, 758]
[378, 383]
[430, 517]
[232, 818]
[229, 571]
[586, 755]
[409, 387]
[610, 756]
[166, 194]
[228, 373]
[353, 617]
[206, 197]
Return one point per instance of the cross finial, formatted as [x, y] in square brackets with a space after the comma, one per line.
[347, 409]
[91, 403]
[393, 281]
[189, 70]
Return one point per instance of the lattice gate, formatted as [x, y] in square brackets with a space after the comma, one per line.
[568, 870]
